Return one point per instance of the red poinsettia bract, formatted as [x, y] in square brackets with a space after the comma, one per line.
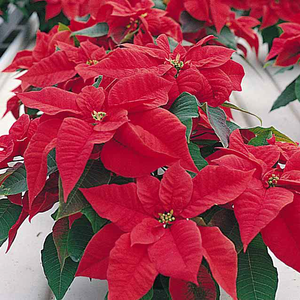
[180, 289]
[282, 234]
[71, 8]
[127, 119]
[270, 189]
[16, 142]
[204, 71]
[160, 235]
[213, 12]
[129, 19]
[271, 11]
[287, 46]
[45, 65]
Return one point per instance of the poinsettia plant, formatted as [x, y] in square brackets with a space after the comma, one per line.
[128, 137]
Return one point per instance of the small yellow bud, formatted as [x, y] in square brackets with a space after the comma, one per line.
[92, 62]
[98, 116]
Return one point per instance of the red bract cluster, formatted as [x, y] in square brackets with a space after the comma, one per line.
[286, 48]
[272, 11]
[16, 142]
[134, 18]
[214, 12]
[217, 14]
[157, 233]
[204, 71]
[71, 8]
[270, 189]
[128, 127]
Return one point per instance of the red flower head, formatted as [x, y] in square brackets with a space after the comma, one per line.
[16, 142]
[273, 10]
[287, 46]
[270, 189]
[160, 234]
[202, 129]
[242, 27]
[71, 8]
[282, 234]
[213, 12]
[45, 65]
[129, 19]
[204, 71]
[127, 120]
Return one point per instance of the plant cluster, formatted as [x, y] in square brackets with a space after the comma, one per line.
[128, 133]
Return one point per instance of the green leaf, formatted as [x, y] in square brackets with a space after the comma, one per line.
[60, 237]
[120, 180]
[297, 88]
[97, 30]
[217, 120]
[282, 70]
[59, 279]
[269, 63]
[80, 234]
[9, 214]
[51, 162]
[16, 183]
[8, 172]
[75, 203]
[165, 283]
[54, 215]
[63, 27]
[279, 137]
[232, 126]
[173, 43]
[199, 161]
[94, 175]
[208, 214]
[287, 96]
[189, 23]
[96, 221]
[185, 107]
[98, 81]
[261, 139]
[226, 221]
[148, 296]
[269, 34]
[31, 111]
[257, 277]
[159, 4]
[160, 294]
[233, 106]
[225, 37]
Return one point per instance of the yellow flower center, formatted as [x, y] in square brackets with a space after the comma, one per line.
[177, 63]
[272, 181]
[92, 62]
[133, 22]
[166, 218]
[98, 116]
